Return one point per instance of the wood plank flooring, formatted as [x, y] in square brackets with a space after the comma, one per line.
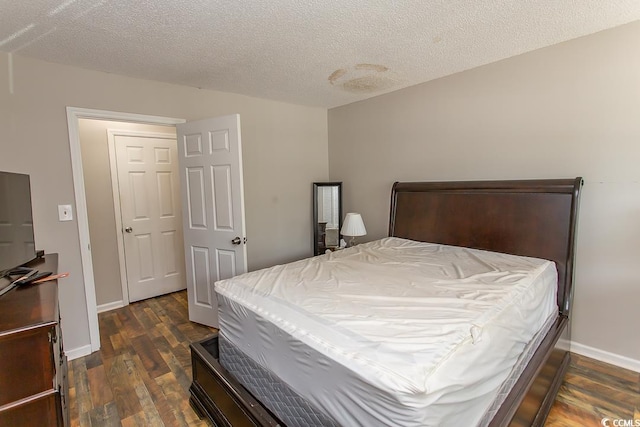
[142, 373]
[593, 390]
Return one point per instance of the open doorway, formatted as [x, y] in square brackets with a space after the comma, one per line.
[211, 197]
[133, 208]
[74, 115]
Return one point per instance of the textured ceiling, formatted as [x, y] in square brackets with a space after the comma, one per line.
[311, 52]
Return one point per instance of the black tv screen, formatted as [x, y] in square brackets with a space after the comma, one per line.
[17, 245]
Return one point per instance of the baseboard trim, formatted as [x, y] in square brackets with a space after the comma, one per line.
[78, 352]
[110, 306]
[605, 356]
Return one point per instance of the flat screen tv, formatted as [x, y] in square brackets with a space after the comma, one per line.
[17, 245]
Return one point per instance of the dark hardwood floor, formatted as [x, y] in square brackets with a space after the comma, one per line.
[142, 373]
[592, 391]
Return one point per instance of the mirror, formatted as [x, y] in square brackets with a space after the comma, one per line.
[327, 216]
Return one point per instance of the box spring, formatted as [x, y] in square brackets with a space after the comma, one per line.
[215, 394]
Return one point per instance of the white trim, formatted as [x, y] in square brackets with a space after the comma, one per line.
[76, 353]
[74, 114]
[605, 356]
[110, 306]
[115, 191]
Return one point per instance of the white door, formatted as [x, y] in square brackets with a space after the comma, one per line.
[151, 215]
[212, 196]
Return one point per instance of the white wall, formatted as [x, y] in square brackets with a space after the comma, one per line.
[284, 150]
[568, 110]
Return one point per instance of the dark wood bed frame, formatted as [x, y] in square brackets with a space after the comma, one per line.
[532, 218]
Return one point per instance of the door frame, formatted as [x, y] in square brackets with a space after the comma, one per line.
[74, 114]
[112, 133]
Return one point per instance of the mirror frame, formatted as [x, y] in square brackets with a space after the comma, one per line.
[317, 250]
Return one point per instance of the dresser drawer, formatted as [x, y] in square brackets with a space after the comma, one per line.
[26, 364]
[43, 408]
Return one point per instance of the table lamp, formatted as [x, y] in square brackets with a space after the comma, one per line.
[353, 226]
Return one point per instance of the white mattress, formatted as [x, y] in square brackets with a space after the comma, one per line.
[403, 333]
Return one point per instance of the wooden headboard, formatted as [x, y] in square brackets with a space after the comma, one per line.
[534, 218]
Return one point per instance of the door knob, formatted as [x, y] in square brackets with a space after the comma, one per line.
[128, 229]
[236, 241]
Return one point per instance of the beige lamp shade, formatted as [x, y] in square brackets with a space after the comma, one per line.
[353, 225]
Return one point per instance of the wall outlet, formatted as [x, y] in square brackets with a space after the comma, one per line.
[65, 213]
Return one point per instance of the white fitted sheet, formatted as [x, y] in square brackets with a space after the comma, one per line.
[402, 332]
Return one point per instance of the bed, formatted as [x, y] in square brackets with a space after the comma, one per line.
[533, 219]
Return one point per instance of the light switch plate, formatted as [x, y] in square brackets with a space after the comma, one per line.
[65, 213]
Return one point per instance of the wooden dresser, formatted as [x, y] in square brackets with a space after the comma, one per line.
[33, 366]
